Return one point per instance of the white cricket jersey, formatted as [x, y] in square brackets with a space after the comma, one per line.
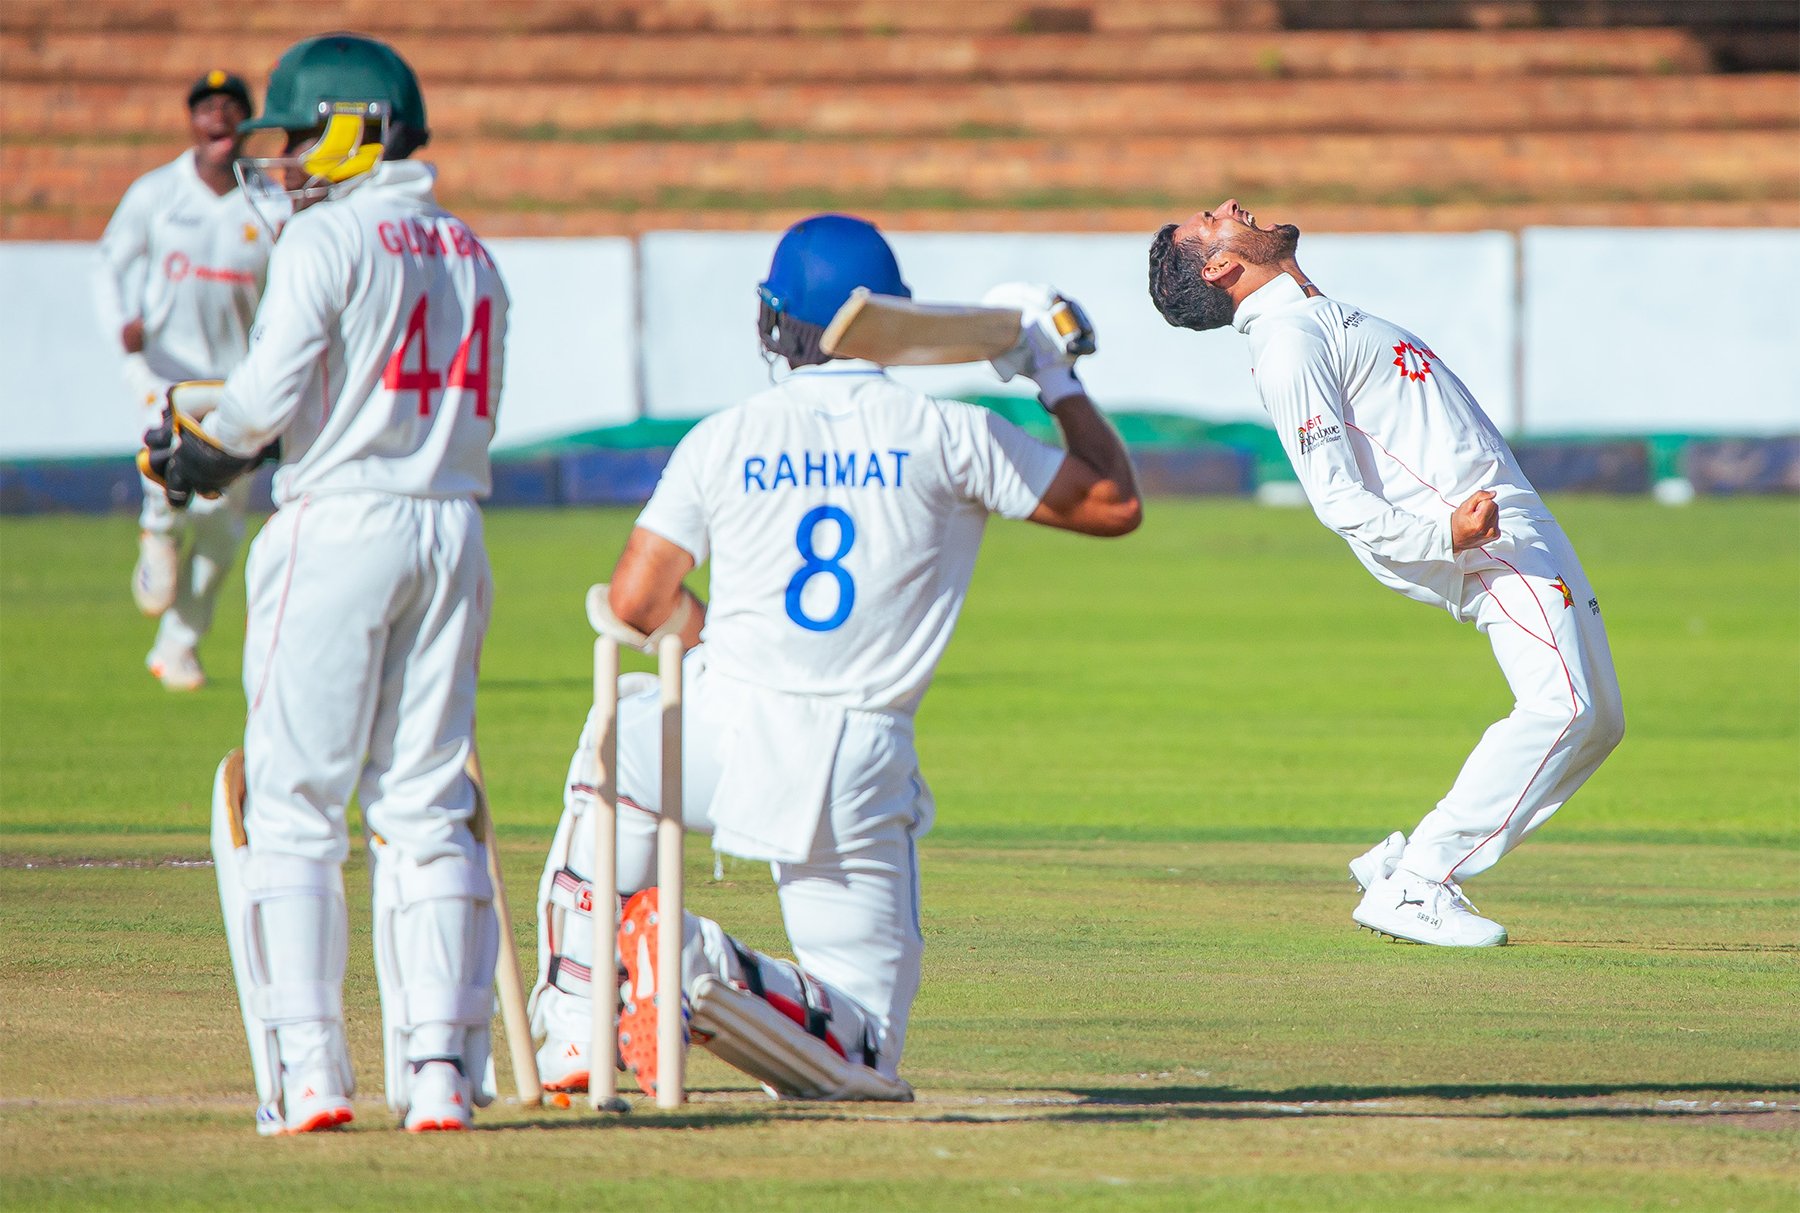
[842, 513]
[1387, 442]
[378, 353]
[189, 263]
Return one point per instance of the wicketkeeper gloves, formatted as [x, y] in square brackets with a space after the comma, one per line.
[184, 460]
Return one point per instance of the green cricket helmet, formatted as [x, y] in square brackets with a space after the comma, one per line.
[361, 98]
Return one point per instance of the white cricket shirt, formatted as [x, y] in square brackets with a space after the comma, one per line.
[842, 513]
[190, 263]
[378, 353]
[1385, 439]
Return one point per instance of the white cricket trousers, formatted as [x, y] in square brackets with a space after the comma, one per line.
[1538, 610]
[214, 527]
[367, 613]
[851, 911]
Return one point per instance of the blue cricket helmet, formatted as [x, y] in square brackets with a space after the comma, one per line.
[820, 261]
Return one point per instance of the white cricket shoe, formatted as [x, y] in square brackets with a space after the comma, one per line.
[1416, 910]
[313, 1104]
[563, 1065]
[440, 1100]
[157, 575]
[1378, 861]
[176, 669]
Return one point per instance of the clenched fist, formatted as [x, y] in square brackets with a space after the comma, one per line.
[1474, 522]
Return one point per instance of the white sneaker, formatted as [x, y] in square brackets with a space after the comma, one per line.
[313, 1104]
[1378, 861]
[563, 1065]
[439, 1099]
[177, 669]
[1411, 908]
[154, 580]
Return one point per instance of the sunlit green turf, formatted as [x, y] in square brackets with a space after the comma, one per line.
[1151, 759]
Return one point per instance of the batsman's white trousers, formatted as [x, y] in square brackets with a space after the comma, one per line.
[367, 613]
[852, 909]
[1533, 601]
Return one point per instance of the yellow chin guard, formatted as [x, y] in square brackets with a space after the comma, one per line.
[340, 153]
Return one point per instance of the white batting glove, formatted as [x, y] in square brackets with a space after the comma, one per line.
[601, 618]
[1053, 333]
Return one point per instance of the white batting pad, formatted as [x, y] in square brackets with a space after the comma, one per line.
[436, 943]
[748, 1033]
[287, 929]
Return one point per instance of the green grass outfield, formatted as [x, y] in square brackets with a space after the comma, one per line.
[1142, 987]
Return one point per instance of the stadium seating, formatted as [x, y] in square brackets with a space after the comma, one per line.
[569, 118]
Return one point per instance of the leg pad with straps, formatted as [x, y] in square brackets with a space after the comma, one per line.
[287, 929]
[748, 1032]
[436, 942]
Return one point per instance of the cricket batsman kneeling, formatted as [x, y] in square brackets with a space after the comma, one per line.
[376, 363]
[1396, 456]
[841, 513]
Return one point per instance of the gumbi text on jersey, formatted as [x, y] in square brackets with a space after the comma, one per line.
[448, 239]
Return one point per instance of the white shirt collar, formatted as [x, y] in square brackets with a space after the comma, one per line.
[841, 366]
[1277, 293]
[412, 176]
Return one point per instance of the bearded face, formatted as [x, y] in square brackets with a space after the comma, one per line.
[1181, 292]
[1263, 246]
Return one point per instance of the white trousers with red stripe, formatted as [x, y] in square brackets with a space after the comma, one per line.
[366, 617]
[1538, 610]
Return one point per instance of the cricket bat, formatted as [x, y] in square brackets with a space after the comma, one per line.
[898, 332]
[509, 982]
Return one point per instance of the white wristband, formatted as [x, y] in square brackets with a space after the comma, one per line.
[1056, 384]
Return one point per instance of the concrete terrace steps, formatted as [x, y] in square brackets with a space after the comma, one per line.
[1625, 165]
[59, 111]
[920, 59]
[1312, 216]
[299, 18]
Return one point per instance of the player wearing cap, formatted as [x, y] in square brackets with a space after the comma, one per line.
[1398, 458]
[181, 268]
[841, 513]
[377, 364]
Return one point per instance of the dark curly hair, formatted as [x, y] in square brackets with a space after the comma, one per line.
[1184, 298]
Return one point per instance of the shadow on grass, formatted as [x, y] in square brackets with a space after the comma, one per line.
[1136, 1105]
[1130, 1104]
[584, 1119]
[1342, 1094]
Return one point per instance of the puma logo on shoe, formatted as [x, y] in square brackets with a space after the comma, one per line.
[1409, 901]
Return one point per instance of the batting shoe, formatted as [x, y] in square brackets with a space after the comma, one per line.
[154, 580]
[563, 1065]
[1416, 910]
[1378, 861]
[176, 669]
[439, 1099]
[317, 1106]
[643, 989]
